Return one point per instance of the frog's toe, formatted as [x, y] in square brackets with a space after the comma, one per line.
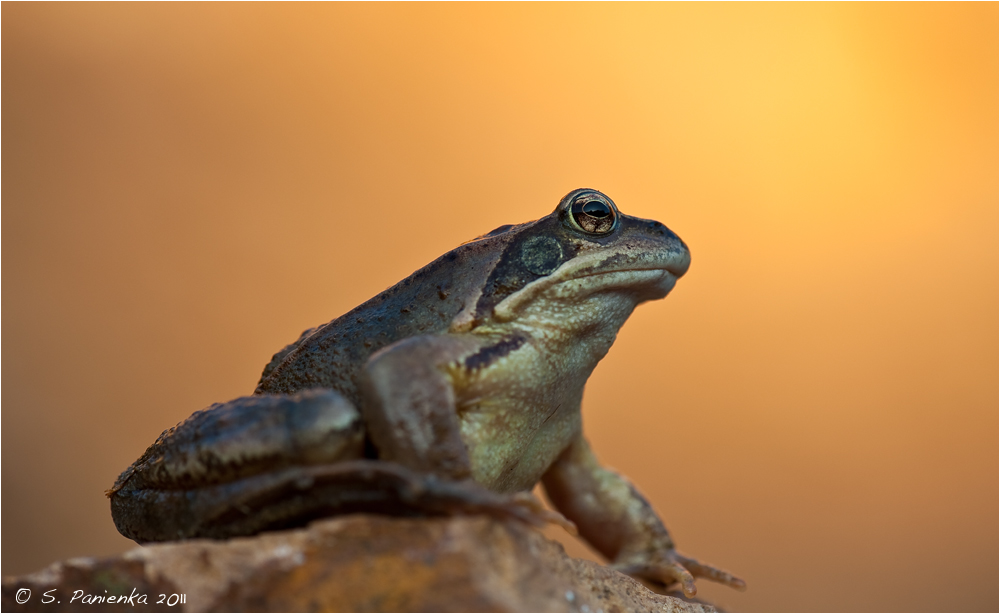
[538, 514]
[671, 567]
[700, 570]
[469, 497]
[666, 573]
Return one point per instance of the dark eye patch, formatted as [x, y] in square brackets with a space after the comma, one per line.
[526, 259]
[541, 255]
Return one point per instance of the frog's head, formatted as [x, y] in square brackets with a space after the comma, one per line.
[584, 261]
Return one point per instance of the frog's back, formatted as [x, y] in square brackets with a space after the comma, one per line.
[331, 356]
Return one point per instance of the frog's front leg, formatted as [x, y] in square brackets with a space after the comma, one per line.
[618, 521]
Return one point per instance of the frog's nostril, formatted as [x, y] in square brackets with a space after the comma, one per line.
[657, 229]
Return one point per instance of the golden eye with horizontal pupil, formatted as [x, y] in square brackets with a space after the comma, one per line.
[594, 216]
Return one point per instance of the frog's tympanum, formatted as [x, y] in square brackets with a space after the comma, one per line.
[454, 391]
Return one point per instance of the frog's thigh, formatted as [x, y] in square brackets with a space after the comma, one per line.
[408, 404]
[235, 458]
[247, 436]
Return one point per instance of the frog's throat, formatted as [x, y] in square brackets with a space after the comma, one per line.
[657, 271]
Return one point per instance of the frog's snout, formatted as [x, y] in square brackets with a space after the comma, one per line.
[678, 254]
[680, 260]
[670, 250]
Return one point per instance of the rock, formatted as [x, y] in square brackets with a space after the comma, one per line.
[352, 563]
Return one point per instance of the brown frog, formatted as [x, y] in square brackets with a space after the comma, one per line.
[456, 390]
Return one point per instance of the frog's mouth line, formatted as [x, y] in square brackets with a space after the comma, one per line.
[661, 277]
[665, 269]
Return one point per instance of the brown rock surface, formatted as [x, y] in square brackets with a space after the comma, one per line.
[354, 563]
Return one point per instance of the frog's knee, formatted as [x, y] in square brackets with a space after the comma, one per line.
[324, 427]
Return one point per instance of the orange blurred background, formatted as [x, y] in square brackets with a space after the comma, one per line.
[186, 187]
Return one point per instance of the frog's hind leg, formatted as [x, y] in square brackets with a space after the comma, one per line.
[409, 404]
[274, 462]
[295, 496]
[252, 442]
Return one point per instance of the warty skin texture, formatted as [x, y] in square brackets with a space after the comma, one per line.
[467, 379]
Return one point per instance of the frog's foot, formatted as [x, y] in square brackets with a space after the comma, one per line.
[538, 510]
[666, 567]
[435, 495]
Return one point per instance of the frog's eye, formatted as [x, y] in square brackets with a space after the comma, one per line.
[593, 216]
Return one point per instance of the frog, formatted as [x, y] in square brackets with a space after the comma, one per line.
[455, 391]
